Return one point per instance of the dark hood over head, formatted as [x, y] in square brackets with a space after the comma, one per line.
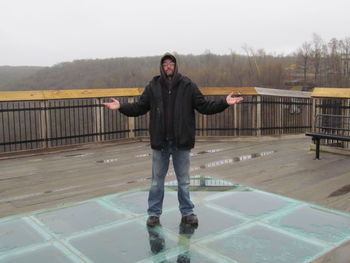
[162, 73]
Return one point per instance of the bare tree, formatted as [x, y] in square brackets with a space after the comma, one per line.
[305, 52]
[345, 57]
[316, 55]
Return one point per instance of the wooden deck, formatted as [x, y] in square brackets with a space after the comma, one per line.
[30, 183]
[281, 165]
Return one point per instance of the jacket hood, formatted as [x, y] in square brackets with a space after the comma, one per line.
[162, 73]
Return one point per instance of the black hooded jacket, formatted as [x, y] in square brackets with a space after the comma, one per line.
[179, 107]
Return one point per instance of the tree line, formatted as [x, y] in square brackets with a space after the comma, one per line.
[325, 63]
[314, 63]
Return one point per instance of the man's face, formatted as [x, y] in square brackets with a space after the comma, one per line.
[168, 67]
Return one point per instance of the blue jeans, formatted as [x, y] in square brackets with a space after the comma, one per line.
[160, 165]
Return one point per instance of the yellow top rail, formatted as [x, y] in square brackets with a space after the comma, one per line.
[331, 93]
[127, 92]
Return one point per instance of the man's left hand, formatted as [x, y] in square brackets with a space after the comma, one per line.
[233, 100]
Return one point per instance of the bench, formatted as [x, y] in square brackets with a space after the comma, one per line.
[330, 127]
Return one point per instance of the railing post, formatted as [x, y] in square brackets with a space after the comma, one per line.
[258, 115]
[235, 120]
[313, 114]
[44, 124]
[99, 126]
[131, 121]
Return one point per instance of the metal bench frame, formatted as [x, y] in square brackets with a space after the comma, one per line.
[328, 126]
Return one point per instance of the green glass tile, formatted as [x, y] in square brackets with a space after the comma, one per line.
[236, 224]
[251, 203]
[17, 233]
[258, 243]
[211, 221]
[41, 255]
[315, 222]
[125, 243]
[77, 218]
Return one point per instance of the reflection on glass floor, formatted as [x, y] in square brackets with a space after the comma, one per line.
[236, 224]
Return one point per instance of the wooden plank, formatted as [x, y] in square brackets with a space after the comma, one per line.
[68, 94]
[93, 93]
[128, 92]
[21, 95]
[331, 93]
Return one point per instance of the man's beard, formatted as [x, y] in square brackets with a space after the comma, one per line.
[170, 75]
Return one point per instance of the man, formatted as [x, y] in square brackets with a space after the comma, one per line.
[171, 99]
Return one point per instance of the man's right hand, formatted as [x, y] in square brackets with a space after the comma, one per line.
[115, 105]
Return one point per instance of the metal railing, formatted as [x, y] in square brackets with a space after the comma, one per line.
[32, 122]
[332, 116]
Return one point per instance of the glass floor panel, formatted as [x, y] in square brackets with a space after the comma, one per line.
[68, 220]
[236, 224]
[18, 233]
[39, 255]
[257, 243]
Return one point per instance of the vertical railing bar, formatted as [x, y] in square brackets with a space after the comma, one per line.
[56, 121]
[8, 126]
[119, 121]
[78, 120]
[19, 124]
[115, 123]
[40, 128]
[97, 114]
[62, 121]
[14, 125]
[82, 117]
[70, 103]
[25, 126]
[91, 119]
[51, 110]
[102, 121]
[37, 123]
[30, 124]
[87, 110]
[82, 126]
[86, 114]
[74, 120]
[65, 121]
[108, 124]
[50, 120]
[3, 126]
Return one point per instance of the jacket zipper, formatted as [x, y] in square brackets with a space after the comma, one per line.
[169, 107]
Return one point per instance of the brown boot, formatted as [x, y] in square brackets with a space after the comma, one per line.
[190, 219]
[153, 221]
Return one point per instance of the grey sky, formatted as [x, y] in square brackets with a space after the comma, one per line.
[46, 32]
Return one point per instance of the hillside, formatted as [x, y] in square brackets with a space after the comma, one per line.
[10, 74]
[206, 70]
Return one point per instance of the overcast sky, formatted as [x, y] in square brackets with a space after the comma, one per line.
[47, 32]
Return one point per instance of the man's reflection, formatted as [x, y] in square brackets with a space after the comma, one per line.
[157, 240]
[186, 231]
